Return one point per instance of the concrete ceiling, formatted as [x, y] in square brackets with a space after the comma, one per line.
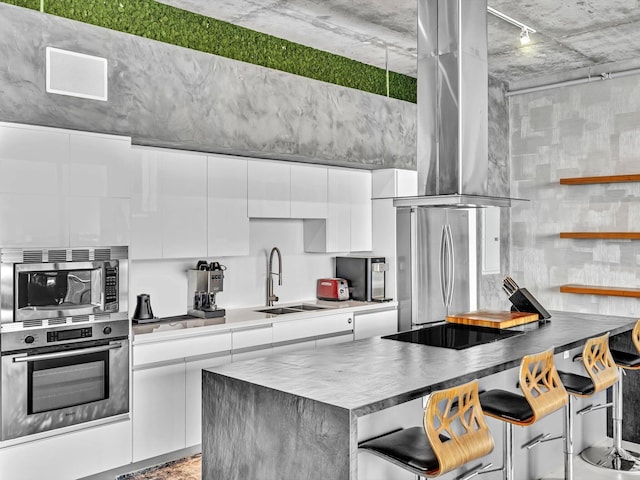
[572, 36]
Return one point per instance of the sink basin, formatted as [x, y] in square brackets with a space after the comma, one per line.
[306, 307]
[278, 310]
[291, 309]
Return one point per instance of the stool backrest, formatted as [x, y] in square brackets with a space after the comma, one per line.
[599, 363]
[635, 335]
[456, 414]
[541, 385]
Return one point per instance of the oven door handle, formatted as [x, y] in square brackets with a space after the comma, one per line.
[81, 351]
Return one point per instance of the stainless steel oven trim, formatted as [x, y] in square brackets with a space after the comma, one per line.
[73, 353]
[11, 257]
[16, 423]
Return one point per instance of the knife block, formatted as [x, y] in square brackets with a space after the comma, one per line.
[524, 301]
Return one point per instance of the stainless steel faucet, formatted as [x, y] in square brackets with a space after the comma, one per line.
[270, 296]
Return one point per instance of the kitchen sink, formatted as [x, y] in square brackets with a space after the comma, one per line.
[306, 307]
[278, 310]
[291, 309]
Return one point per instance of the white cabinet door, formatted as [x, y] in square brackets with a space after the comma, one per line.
[312, 327]
[95, 221]
[34, 173]
[99, 165]
[146, 213]
[228, 221]
[375, 323]
[183, 187]
[158, 411]
[193, 393]
[348, 226]
[308, 191]
[33, 220]
[268, 189]
[33, 161]
[361, 211]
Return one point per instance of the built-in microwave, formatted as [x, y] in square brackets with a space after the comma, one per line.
[55, 283]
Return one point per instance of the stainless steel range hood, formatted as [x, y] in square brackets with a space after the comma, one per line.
[453, 160]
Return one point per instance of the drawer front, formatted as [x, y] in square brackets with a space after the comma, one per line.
[312, 327]
[251, 338]
[180, 348]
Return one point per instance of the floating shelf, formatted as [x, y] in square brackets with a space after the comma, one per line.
[595, 290]
[604, 179]
[606, 235]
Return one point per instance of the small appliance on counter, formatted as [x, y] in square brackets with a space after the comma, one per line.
[205, 282]
[365, 276]
[336, 289]
[143, 312]
[523, 301]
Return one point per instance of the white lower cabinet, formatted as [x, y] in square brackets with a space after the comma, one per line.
[321, 342]
[292, 347]
[312, 327]
[375, 323]
[72, 455]
[158, 410]
[193, 389]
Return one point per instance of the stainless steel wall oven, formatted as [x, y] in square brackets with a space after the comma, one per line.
[64, 338]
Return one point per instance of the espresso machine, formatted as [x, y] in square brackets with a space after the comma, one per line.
[205, 282]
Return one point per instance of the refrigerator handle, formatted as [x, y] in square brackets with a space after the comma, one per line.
[451, 267]
[443, 268]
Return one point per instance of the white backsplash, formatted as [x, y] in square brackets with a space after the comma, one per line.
[245, 281]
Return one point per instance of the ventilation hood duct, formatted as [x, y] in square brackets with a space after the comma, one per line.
[453, 160]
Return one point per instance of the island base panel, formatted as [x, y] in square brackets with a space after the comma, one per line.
[251, 431]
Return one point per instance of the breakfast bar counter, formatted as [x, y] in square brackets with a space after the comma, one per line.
[295, 415]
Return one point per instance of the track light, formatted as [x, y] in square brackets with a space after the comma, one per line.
[524, 33]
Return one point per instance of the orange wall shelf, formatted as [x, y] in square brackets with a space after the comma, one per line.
[595, 290]
[604, 179]
[605, 235]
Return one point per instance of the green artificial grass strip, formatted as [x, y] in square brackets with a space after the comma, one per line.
[164, 23]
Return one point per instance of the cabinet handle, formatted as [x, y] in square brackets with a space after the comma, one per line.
[349, 321]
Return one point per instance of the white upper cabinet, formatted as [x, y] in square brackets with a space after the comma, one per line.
[361, 211]
[169, 204]
[268, 189]
[348, 226]
[98, 204]
[99, 165]
[183, 187]
[228, 222]
[34, 172]
[308, 191]
[33, 160]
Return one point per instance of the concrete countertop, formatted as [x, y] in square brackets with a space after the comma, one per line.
[373, 374]
[242, 318]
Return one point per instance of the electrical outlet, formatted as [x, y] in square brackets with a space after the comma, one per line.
[565, 355]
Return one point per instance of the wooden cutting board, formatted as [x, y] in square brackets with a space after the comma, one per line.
[493, 319]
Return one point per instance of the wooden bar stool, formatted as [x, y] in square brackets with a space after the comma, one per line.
[543, 394]
[454, 432]
[616, 457]
[603, 373]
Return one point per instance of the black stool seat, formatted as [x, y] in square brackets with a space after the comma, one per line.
[577, 384]
[507, 405]
[624, 359]
[409, 446]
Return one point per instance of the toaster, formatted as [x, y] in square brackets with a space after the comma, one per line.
[332, 289]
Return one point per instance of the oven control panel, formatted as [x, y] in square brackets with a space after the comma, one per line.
[64, 334]
[69, 334]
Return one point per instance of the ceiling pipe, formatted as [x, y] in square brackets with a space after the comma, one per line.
[579, 81]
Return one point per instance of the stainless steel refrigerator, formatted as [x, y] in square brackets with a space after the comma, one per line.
[438, 271]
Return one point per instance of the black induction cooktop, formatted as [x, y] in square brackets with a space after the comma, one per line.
[451, 335]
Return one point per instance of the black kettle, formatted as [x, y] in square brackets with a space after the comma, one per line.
[143, 312]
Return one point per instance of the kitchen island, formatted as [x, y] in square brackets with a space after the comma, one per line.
[295, 415]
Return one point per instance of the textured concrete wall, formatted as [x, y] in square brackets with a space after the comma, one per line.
[491, 295]
[169, 96]
[586, 130]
